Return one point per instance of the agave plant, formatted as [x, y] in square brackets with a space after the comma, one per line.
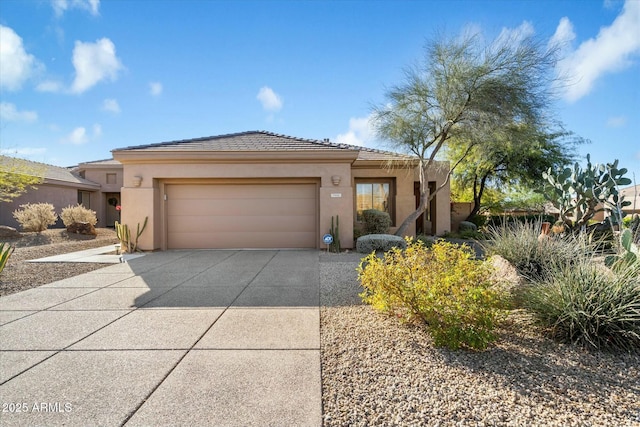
[5, 252]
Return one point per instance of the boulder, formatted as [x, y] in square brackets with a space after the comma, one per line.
[84, 228]
[379, 242]
[7, 232]
[467, 226]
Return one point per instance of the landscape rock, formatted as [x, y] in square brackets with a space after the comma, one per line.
[7, 232]
[84, 228]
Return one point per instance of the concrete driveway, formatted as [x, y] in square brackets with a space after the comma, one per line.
[172, 338]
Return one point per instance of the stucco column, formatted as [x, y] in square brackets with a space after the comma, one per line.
[337, 201]
[137, 202]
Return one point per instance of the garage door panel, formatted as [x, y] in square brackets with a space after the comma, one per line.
[251, 240]
[191, 224]
[226, 191]
[240, 207]
[241, 215]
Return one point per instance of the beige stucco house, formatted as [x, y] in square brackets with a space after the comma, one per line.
[60, 186]
[264, 190]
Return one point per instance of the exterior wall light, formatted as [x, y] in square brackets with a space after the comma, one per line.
[137, 180]
[335, 179]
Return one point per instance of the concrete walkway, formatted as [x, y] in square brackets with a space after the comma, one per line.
[172, 338]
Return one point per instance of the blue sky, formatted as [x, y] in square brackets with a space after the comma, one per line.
[81, 77]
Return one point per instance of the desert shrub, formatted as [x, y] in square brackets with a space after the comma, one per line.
[376, 222]
[478, 220]
[75, 214]
[443, 286]
[585, 303]
[35, 216]
[518, 243]
[502, 220]
[428, 241]
[467, 226]
[379, 242]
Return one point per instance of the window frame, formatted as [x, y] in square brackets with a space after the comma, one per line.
[81, 198]
[391, 196]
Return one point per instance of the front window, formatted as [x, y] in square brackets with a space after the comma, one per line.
[84, 199]
[374, 194]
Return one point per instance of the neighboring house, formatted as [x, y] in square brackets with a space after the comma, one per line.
[264, 190]
[632, 194]
[61, 187]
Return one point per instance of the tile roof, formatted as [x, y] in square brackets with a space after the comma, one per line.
[263, 141]
[49, 172]
[105, 162]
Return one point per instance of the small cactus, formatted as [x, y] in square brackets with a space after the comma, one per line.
[335, 232]
[124, 235]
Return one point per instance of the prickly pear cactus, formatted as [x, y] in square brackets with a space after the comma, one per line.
[581, 193]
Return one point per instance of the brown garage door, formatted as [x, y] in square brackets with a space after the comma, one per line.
[218, 216]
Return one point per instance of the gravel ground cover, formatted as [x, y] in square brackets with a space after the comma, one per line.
[379, 371]
[19, 275]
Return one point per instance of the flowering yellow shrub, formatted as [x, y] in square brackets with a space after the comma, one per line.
[444, 286]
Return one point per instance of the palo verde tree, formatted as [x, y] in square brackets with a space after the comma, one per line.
[16, 177]
[516, 157]
[464, 93]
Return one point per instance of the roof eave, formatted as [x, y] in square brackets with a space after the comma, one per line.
[196, 156]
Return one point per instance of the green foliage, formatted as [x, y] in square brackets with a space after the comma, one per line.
[584, 303]
[628, 256]
[17, 176]
[376, 222]
[35, 216]
[427, 241]
[497, 170]
[461, 95]
[124, 235]
[467, 226]
[581, 193]
[518, 243]
[444, 286]
[478, 220]
[5, 252]
[78, 213]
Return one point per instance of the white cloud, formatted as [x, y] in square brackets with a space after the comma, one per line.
[610, 51]
[270, 100]
[80, 136]
[361, 132]
[77, 136]
[61, 6]
[517, 34]
[49, 86]
[94, 62]
[111, 105]
[155, 88]
[10, 113]
[16, 65]
[616, 122]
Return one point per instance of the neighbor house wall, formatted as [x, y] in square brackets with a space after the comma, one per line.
[98, 174]
[60, 196]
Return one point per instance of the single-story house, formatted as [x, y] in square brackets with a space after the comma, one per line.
[244, 190]
[91, 184]
[265, 190]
